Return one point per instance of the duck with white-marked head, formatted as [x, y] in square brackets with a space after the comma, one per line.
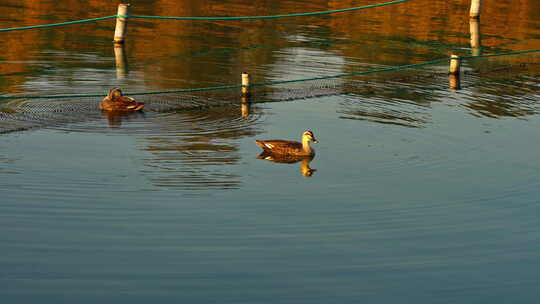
[289, 147]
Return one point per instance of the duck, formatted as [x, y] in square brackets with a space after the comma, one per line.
[289, 147]
[115, 101]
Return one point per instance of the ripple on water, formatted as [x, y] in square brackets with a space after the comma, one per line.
[190, 149]
[405, 98]
[72, 114]
[412, 104]
[188, 140]
[393, 101]
[495, 96]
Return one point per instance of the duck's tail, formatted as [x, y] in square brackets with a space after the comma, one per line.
[262, 145]
[266, 146]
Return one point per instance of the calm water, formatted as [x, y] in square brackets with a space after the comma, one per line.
[417, 194]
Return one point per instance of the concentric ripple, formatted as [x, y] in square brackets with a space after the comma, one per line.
[190, 149]
[188, 139]
[73, 113]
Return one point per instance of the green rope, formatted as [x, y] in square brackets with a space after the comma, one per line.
[397, 68]
[401, 67]
[501, 54]
[202, 18]
[56, 24]
[269, 17]
[235, 86]
[269, 83]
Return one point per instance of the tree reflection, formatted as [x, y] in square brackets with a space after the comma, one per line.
[79, 58]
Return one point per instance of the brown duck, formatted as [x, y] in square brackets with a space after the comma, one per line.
[288, 147]
[115, 101]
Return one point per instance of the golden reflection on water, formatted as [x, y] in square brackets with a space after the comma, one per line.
[246, 109]
[408, 25]
[165, 54]
[454, 81]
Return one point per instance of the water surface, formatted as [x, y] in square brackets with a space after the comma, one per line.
[417, 191]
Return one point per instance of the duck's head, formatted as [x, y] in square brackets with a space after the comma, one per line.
[114, 93]
[308, 135]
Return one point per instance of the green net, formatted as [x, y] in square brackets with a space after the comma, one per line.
[406, 83]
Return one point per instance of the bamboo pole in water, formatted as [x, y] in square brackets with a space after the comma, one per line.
[245, 98]
[454, 81]
[121, 24]
[474, 26]
[245, 108]
[245, 85]
[475, 9]
[120, 60]
[455, 62]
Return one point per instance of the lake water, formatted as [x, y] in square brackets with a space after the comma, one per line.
[418, 193]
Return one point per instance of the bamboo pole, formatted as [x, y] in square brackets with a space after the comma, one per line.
[475, 9]
[455, 62]
[474, 26]
[121, 61]
[246, 96]
[245, 85]
[121, 24]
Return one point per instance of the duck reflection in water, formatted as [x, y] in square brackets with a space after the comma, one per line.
[115, 118]
[305, 169]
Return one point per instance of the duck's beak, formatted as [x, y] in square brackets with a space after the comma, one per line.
[315, 141]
